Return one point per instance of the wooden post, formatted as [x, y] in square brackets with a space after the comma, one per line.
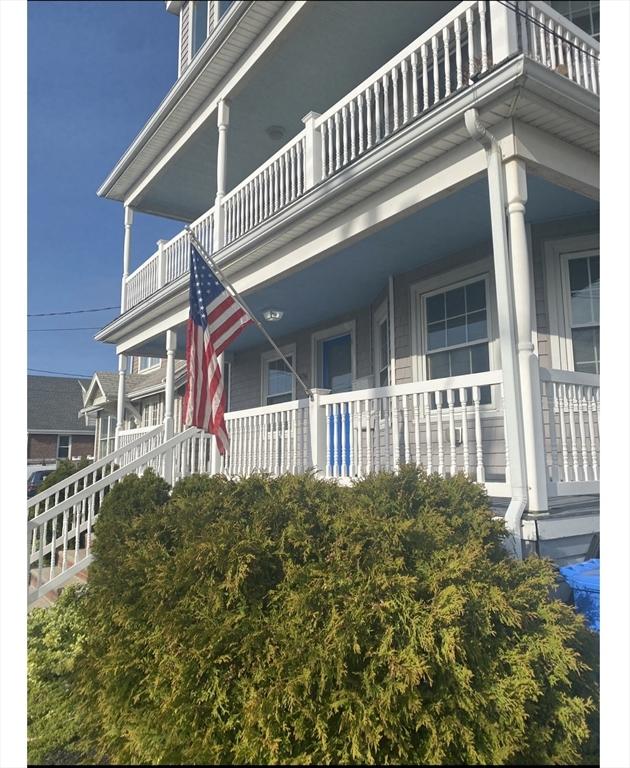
[120, 403]
[318, 426]
[126, 258]
[313, 172]
[529, 371]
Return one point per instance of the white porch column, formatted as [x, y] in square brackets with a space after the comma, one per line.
[317, 427]
[223, 121]
[312, 151]
[169, 395]
[126, 257]
[120, 402]
[516, 190]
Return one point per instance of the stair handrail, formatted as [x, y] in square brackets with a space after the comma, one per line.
[110, 479]
[93, 467]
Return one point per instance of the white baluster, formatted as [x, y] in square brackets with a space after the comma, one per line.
[541, 34]
[353, 135]
[357, 421]
[463, 397]
[481, 474]
[551, 41]
[335, 460]
[580, 409]
[436, 71]
[404, 67]
[287, 179]
[471, 44]
[405, 414]
[414, 84]
[395, 105]
[377, 112]
[345, 137]
[360, 111]
[569, 54]
[458, 52]
[427, 426]
[551, 407]
[416, 428]
[294, 167]
[323, 129]
[343, 411]
[483, 35]
[592, 59]
[572, 414]
[331, 156]
[576, 60]
[447, 62]
[440, 434]
[294, 431]
[560, 44]
[425, 77]
[591, 406]
[450, 399]
[585, 70]
[376, 410]
[560, 392]
[368, 113]
[337, 142]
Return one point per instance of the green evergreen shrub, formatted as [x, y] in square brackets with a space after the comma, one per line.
[294, 621]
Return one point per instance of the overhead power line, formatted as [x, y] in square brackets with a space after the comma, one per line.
[536, 22]
[72, 312]
[62, 373]
[48, 330]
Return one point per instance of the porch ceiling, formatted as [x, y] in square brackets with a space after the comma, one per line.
[355, 276]
[309, 68]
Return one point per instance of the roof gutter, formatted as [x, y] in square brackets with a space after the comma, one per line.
[507, 329]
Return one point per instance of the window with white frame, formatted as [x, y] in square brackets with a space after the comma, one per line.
[64, 444]
[107, 433]
[582, 275]
[199, 24]
[381, 346]
[145, 363]
[278, 383]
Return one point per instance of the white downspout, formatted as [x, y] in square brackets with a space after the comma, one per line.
[507, 327]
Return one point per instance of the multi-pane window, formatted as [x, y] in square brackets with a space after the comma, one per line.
[457, 333]
[199, 24]
[144, 363]
[584, 311]
[224, 6]
[278, 381]
[583, 13]
[107, 434]
[63, 447]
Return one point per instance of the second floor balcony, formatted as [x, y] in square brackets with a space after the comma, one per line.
[477, 54]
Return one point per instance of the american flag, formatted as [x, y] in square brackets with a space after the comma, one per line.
[215, 320]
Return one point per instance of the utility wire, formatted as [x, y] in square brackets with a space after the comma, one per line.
[61, 373]
[72, 312]
[48, 330]
[540, 25]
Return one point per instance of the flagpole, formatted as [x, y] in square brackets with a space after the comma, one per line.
[212, 264]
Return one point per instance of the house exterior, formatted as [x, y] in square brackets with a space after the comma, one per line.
[413, 216]
[55, 430]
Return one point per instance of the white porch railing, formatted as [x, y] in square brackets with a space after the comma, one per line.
[464, 44]
[127, 436]
[571, 422]
[446, 425]
[274, 439]
[557, 43]
[437, 64]
[276, 184]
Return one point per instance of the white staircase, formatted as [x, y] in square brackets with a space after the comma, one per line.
[61, 519]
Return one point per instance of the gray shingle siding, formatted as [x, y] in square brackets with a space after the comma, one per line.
[53, 404]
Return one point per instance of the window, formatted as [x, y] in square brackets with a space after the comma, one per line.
[456, 333]
[333, 358]
[278, 385]
[64, 444]
[583, 13]
[583, 278]
[199, 24]
[224, 7]
[144, 363]
[381, 346]
[107, 434]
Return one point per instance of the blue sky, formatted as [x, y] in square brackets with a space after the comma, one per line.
[96, 72]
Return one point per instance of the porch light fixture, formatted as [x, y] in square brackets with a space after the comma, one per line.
[273, 315]
[275, 132]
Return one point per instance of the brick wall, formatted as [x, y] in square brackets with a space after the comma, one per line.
[44, 447]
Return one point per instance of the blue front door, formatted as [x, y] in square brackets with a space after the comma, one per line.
[337, 376]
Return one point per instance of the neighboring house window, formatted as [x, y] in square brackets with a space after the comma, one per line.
[144, 363]
[64, 444]
[583, 13]
[107, 434]
[278, 383]
[381, 346]
[583, 279]
[199, 24]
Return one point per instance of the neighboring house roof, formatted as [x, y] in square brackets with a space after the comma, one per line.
[54, 403]
[103, 388]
